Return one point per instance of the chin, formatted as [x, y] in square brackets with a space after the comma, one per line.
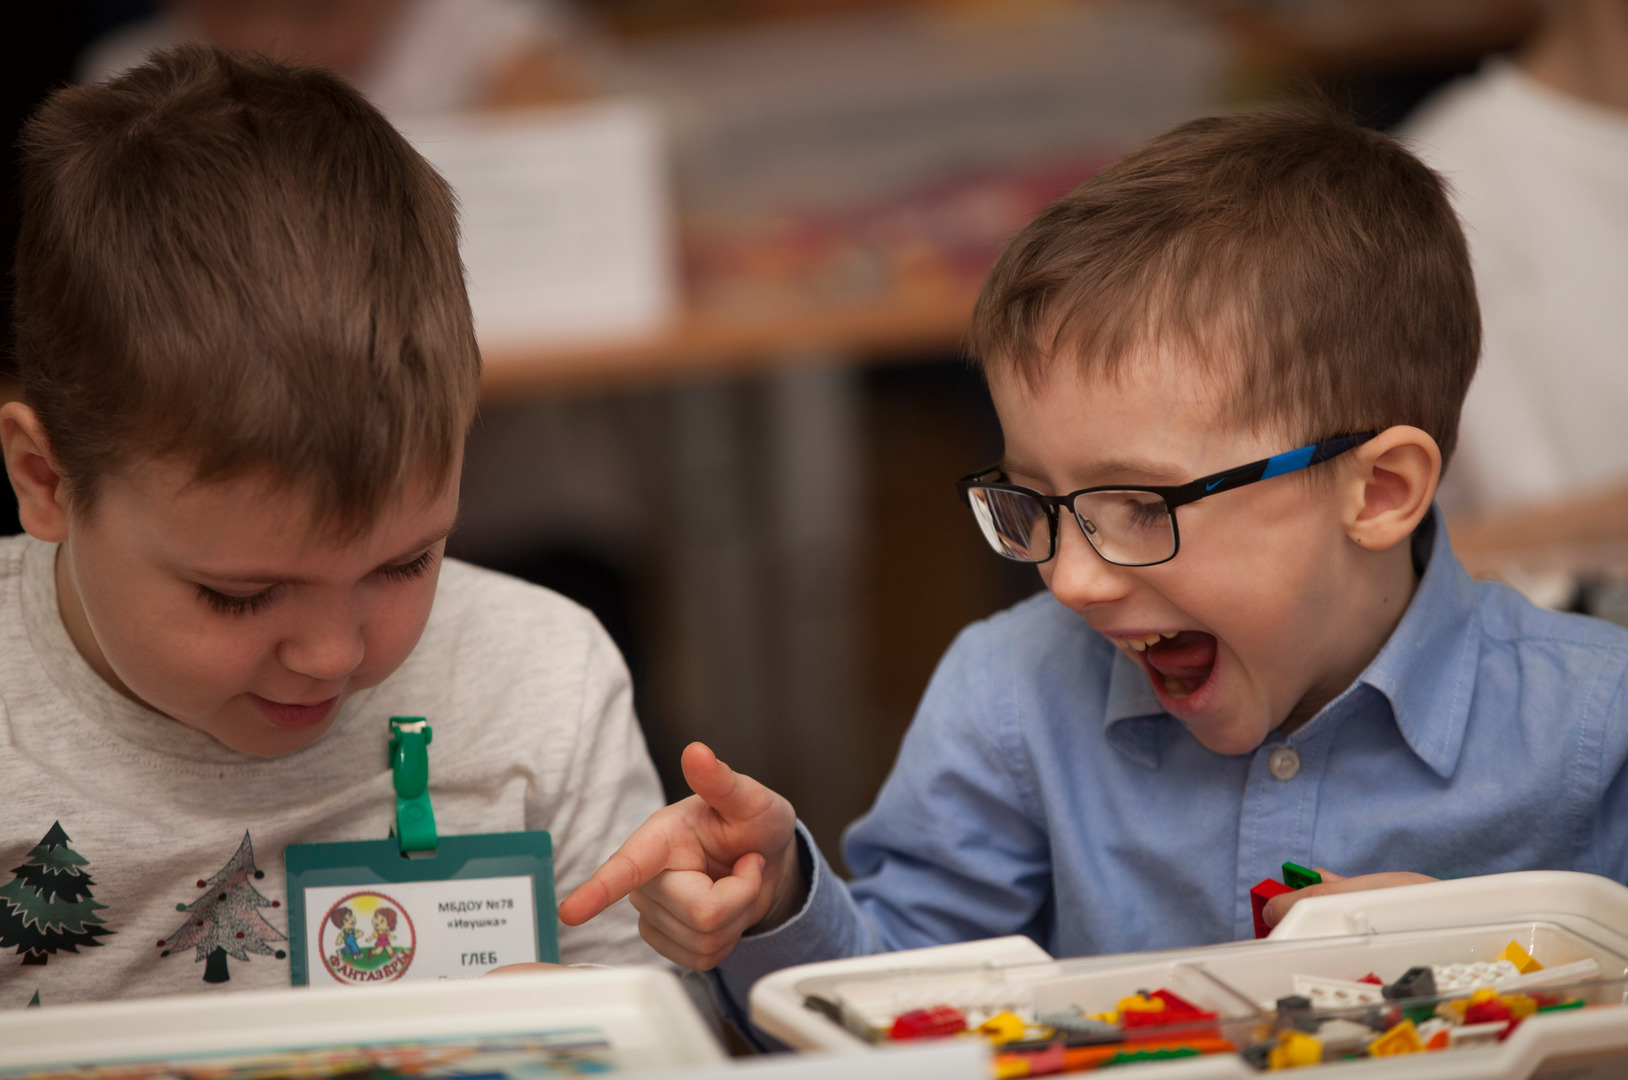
[1229, 737]
[258, 738]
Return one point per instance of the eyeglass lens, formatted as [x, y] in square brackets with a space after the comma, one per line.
[1131, 528]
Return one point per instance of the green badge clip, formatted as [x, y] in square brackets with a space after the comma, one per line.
[410, 762]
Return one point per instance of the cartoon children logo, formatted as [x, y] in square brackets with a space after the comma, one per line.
[354, 957]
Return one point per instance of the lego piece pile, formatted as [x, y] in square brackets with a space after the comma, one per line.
[1147, 1026]
[1441, 1007]
[1427, 1008]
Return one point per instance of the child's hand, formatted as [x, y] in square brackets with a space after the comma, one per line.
[704, 870]
[1279, 906]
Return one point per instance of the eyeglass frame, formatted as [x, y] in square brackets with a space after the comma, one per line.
[1179, 495]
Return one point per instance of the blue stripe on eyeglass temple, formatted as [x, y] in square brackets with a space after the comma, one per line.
[1287, 462]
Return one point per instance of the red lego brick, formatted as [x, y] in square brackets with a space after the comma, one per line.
[1486, 1012]
[1258, 896]
[1178, 1012]
[1178, 1009]
[928, 1023]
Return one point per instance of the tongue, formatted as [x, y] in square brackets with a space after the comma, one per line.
[1184, 662]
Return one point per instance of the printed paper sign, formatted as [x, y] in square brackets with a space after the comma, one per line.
[454, 929]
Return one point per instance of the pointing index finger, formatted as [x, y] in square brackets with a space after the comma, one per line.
[640, 858]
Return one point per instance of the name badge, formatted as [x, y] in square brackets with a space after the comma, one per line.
[362, 913]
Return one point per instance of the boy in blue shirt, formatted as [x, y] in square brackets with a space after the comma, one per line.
[1278, 660]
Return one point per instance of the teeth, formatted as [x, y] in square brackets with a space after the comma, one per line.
[1141, 643]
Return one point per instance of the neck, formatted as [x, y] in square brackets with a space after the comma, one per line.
[1383, 584]
[1582, 51]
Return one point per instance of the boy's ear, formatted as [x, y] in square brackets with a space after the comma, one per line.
[41, 494]
[1392, 486]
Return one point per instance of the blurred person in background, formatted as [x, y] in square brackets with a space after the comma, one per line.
[1536, 148]
[407, 56]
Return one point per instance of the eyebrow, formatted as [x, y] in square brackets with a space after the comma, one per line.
[252, 578]
[1129, 470]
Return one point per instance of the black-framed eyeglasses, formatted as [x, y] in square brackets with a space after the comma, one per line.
[1128, 526]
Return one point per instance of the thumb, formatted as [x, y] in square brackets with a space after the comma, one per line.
[749, 869]
[733, 796]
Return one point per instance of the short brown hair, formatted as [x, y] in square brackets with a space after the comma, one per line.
[1316, 263]
[243, 265]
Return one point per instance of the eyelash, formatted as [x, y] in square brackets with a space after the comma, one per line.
[410, 571]
[226, 604]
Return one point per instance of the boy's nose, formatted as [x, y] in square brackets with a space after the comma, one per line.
[327, 650]
[1079, 577]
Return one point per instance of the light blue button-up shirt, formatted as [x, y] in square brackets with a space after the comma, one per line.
[1042, 791]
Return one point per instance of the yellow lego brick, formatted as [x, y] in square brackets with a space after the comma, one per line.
[1003, 1028]
[1138, 1003]
[1520, 958]
[1401, 1039]
[1486, 993]
[1300, 1049]
[1520, 1006]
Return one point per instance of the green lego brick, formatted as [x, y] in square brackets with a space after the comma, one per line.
[1298, 877]
[1574, 1003]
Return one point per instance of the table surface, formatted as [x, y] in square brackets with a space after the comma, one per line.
[703, 342]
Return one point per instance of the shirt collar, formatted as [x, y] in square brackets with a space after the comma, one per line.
[1425, 671]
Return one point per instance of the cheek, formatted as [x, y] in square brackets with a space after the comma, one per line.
[1255, 579]
[159, 638]
[396, 620]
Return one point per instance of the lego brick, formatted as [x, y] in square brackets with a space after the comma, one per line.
[1076, 1026]
[1493, 1010]
[1578, 971]
[1298, 877]
[1416, 982]
[1294, 1050]
[1457, 978]
[1336, 993]
[1258, 896]
[1003, 1028]
[1520, 958]
[930, 1023]
[1401, 1039]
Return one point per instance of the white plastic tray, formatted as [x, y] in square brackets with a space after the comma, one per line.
[1560, 917]
[644, 1013]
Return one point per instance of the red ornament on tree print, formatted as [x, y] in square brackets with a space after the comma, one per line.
[225, 921]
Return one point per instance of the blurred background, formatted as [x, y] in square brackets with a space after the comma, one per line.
[722, 253]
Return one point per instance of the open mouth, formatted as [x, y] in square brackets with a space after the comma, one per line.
[1179, 663]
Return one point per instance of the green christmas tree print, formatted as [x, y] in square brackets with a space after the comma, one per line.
[225, 920]
[47, 908]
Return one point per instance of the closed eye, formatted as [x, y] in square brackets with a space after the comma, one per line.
[409, 571]
[227, 604]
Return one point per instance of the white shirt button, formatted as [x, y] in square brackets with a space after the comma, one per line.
[1284, 763]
